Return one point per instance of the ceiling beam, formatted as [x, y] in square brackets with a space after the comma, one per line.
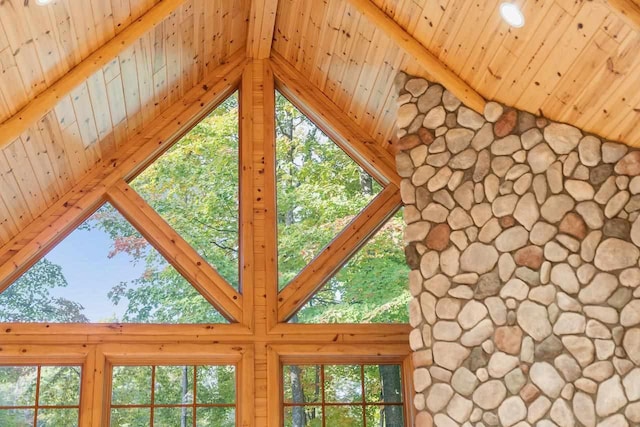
[436, 68]
[262, 21]
[13, 127]
[629, 9]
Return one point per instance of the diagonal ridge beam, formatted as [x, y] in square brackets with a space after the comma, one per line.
[11, 128]
[436, 68]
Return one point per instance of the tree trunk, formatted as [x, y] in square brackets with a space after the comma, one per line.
[297, 393]
[391, 386]
[366, 183]
[185, 391]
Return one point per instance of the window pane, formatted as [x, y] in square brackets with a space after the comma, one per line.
[135, 282]
[303, 416]
[219, 417]
[342, 383]
[383, 383]
[302, 384]
[57, 417]
[131, 385]
[174, 384]
[385, 416]
[18, 385]
[194, 187]
[370, 288]
[16, 417]
[216, 384]
[131, 417]
[173, 417]
[344, 416]
[60, 386]
[319, 189]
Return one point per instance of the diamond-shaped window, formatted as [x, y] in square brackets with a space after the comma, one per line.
[370, 288]
[320, 189]
[104, 271]
[194, 187]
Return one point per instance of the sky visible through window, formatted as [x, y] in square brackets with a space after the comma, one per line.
[81, 255]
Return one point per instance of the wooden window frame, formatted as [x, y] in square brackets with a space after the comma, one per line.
[336, 354]
[259, 340]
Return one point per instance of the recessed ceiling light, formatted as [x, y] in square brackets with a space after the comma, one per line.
[43, 2]
[512, 14]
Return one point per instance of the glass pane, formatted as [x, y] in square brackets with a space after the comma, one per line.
[60, 386]
[16, 417]
[216, 384]
[18, 385]
[194, 187]
[344, 416]
[302, 384]
[219, 417]
[370, 288]
[173, 417]
[342, 383]
[303, 416]
[319, 189]
[135, 283]
[130, 417]
[131, 385]
[57, 417]
[174, 384]
[385, 416]
[383, 383]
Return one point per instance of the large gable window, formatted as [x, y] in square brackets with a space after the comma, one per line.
[239, 247]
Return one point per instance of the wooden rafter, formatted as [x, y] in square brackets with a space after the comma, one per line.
[377, 161]
[429, 61]
[629, 9]
[177, 251]
[335, 254]
[262, 21]
[11, 128]
[77, 204]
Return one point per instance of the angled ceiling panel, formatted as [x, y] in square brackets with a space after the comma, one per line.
[112, 104]
[575, 62]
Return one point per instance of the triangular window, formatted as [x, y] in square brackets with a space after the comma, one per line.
[104, 271]
[370, 288]
[194, 187]
[320, 189]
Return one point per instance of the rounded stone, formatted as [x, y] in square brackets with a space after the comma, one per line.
[613, 254]
[479, 258]
[511, 411]
[490, 394]
[561, 137]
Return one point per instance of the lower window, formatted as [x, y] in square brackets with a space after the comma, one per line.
[169, 396]
[343, 395]
[39, 395]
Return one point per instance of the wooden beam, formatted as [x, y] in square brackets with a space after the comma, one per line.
[88, 194]
[345, 132]
[177, 251]
[262, 21]
[629, 9]
[11, 128]
[429, 61]
[302, 288]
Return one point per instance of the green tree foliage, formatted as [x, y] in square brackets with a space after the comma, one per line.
[29, 299]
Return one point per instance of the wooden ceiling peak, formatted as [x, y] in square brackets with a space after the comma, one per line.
[262, 21]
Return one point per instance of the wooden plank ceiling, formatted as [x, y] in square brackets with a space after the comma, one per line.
[39, 44]
[576, 61]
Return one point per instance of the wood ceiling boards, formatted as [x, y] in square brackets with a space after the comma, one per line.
[573, 61]
[39, 44]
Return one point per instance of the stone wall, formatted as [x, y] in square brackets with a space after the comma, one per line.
[522, 235]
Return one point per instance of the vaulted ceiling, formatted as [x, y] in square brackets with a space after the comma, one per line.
[575, 61]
